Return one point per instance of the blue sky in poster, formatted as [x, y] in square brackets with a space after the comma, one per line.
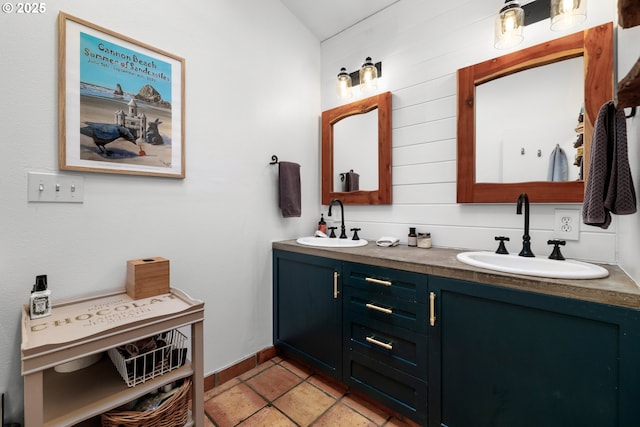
[106, 64]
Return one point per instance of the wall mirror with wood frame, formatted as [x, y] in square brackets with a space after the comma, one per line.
[595, 47]
[341, 148]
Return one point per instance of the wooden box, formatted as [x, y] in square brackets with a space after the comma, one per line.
[147, 277]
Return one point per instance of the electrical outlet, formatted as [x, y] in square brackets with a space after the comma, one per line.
[567, 224]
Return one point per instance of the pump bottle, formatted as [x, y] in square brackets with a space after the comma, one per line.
[322, 225]
[40, 301]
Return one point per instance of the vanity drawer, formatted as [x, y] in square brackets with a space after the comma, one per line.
[390, 346]
[397, 312]
[393, 388]
[386, 282]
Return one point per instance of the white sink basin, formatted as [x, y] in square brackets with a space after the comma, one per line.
[541, 267]
[326, 242]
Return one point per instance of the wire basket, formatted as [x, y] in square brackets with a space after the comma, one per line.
[173, 412]
[146, 359]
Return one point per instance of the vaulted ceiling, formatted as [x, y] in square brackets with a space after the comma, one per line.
[326, 18]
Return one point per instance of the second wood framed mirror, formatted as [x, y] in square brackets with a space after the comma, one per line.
[595, 46]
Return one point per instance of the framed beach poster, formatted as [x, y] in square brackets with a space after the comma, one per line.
[121, 103]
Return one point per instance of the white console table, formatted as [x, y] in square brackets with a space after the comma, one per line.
[87, 326]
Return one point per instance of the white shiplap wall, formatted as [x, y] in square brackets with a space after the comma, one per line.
[421, 44]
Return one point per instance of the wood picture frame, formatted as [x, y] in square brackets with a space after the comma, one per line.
[121, 103]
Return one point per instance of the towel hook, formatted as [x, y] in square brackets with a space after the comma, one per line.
[632, 113]
[274, 160]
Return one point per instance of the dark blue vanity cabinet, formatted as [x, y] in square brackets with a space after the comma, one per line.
[451, 353]
[503, 358]
[385, 336]
[307, 310]
[363, 325]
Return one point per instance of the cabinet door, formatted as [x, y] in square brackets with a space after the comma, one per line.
[307, 309]
[505, 358]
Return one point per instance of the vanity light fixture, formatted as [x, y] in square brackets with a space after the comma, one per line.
[367, 77]
[509, 25]
[343, 84]
[567, 13]
[512, 18]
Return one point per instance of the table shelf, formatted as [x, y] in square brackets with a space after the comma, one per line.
[74, 397]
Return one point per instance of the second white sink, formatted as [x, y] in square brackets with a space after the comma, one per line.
[541, 267]
[331, 243]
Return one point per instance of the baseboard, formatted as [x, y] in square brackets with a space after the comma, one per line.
[239, 368]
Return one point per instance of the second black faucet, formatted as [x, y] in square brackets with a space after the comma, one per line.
[526, 239]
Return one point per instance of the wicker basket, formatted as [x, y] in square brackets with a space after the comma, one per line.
[173, 412]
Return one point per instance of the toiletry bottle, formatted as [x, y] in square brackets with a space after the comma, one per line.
[322, 225]
[413, 238]
[40, 301]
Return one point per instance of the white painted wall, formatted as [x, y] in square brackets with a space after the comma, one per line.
[421, 45]
[251, 91]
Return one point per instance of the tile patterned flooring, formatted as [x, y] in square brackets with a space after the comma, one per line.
[281, 393]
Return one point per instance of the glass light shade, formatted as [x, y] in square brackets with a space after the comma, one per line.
[567, 13]
[368, 75]
[343, 84]
[509, 26]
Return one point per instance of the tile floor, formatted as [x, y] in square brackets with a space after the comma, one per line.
[280, 393]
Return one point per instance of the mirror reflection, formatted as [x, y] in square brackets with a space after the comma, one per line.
[355, 152]
[527, 125]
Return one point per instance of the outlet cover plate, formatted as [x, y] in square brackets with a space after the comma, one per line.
[566, 225]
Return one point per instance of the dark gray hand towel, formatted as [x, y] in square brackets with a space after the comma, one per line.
[353, 181]
[289, 187]
[609, 188]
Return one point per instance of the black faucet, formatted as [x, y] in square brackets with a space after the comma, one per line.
[343, 233]
[526, 239]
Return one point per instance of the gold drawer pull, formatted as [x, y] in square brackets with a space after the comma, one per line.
[378, 308]
[335, 285]
[378, 281]
[385, 345]
[432, 309]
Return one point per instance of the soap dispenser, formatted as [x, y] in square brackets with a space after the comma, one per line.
[40, 301]
[322, 225]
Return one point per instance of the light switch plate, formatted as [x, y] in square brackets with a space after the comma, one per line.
[55, 188]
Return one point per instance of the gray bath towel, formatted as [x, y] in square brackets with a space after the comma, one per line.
[609, 188]
[558, 165]
[289, 188]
